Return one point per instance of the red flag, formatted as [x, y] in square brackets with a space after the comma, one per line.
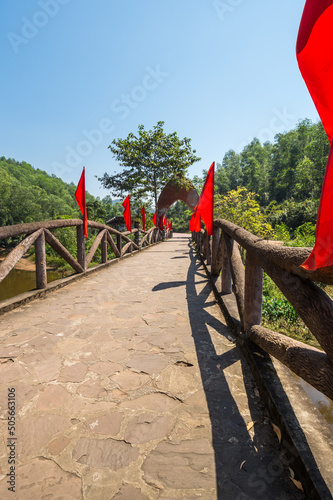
[170, 225]
[165, 222]
[127, 213]
[195, 221]
[80, 196]
[154, 219]
[314, 50]
[206, 202]
[161, 223]
[143, 212]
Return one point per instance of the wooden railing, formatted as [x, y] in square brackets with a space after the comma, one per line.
[37, 233]
[282, 264]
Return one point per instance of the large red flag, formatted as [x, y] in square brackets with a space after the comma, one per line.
[160, 223]
[165, 222]
[154, 219]
[143, 212]
[80, 196]
[127, 213]
[314, 50]
[206, 201]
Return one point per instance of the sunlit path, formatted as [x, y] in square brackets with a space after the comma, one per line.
[129, 386]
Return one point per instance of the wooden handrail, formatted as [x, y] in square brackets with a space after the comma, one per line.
[282, 264]
[40, 232]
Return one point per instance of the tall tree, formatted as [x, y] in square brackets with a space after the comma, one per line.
[149, 159]
[256, 165]
[228, 176]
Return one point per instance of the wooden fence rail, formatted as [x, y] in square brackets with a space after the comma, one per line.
[282, 264]
[39, 233]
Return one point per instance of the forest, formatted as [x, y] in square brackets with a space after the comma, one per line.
[285, 179]
[28, 194]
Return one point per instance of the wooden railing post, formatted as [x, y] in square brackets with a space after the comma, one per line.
[237, 273]
[254, 276]
[41, 277]
[81, 256]
[206, 248]
[104, 245]
[216, 258]
[226, 278]
[137, 234]
[119, 244]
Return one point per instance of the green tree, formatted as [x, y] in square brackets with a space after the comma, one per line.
[149, 160]
[180, 215]
[256, 166]
[241, 207]
[228, 176]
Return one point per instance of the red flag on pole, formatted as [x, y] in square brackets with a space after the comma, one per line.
[170, 225]
[195, 221]
[206, 202]
[80, 196]
[160, 225]
[127, 213]
[165, 222]
[154, 219]
[143, 212]
[314, 50]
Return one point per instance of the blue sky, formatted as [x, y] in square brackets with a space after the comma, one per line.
[77, 74]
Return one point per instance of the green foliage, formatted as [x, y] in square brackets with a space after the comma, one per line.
[241, 207]
[228, 175]
[149, 159]
[180, 215]
[274, 309]
[292, 213]
[198, 183]
[28, 195]
[279, 315]
[281, 233]
[304, 236]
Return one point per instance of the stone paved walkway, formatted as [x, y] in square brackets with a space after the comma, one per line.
[129, 386]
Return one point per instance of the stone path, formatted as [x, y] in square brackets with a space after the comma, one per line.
[128, 385]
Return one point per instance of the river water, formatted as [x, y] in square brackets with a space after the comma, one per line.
[19, 281]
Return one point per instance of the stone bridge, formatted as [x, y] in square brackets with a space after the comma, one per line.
[128, 384]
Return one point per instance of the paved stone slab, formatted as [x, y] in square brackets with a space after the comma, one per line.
[108, 453]
[193, 460]
[41, 479]
[147, 427]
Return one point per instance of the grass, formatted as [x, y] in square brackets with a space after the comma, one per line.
[279, 315]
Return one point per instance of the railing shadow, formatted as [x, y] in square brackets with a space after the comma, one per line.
[263, 473]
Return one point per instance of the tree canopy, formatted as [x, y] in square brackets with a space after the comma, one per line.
[149, 160]
[28, 194]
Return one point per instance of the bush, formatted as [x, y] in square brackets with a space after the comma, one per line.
[304, 236]
[241, 207]
[293, 214]
[274, 309]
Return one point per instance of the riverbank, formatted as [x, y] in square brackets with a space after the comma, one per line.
[26, 263]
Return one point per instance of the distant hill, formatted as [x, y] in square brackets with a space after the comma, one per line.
[28, 194]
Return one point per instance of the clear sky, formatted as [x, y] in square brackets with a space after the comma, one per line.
[76, 74]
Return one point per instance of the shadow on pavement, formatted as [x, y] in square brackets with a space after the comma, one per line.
[246, 467]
